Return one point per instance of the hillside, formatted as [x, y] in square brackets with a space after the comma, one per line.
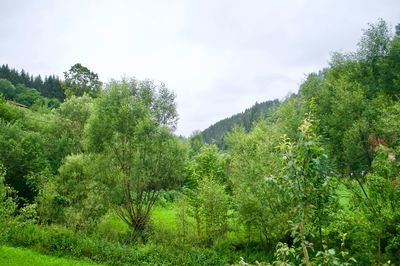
[49, 87]
[216, 132]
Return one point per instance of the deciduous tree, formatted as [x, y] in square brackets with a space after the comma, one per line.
[134, 133]
[79, 80]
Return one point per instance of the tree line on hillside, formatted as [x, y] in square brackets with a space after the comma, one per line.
[216, 132]
[49, 87]
[27, 90]
[315, 181]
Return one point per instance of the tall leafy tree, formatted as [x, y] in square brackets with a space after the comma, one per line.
[206, 180]
[79, 80]
[253, 169]
[125, 128]
[73, 115]
[214, 206]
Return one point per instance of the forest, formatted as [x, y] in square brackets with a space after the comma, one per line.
[94, 172]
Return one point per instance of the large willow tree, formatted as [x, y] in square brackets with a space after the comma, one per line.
[132, 124]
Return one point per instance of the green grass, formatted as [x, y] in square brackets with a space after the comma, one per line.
[22, 256]
[164, 217]
[345, 196]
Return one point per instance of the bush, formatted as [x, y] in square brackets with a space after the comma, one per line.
[7, 205]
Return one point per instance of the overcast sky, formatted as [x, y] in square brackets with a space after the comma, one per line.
[219, 57]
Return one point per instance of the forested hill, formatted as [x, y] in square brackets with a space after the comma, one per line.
[215, 133]
[49, 87]
[24, 89]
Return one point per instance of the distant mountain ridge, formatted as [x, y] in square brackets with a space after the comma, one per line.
[216, 132]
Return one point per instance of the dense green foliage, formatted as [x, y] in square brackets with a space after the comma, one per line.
[24, 96]
[311, 180]
[80, 80]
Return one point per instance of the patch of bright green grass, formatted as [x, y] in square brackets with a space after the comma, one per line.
[344, 196]
[164, 217]
[21, 257]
